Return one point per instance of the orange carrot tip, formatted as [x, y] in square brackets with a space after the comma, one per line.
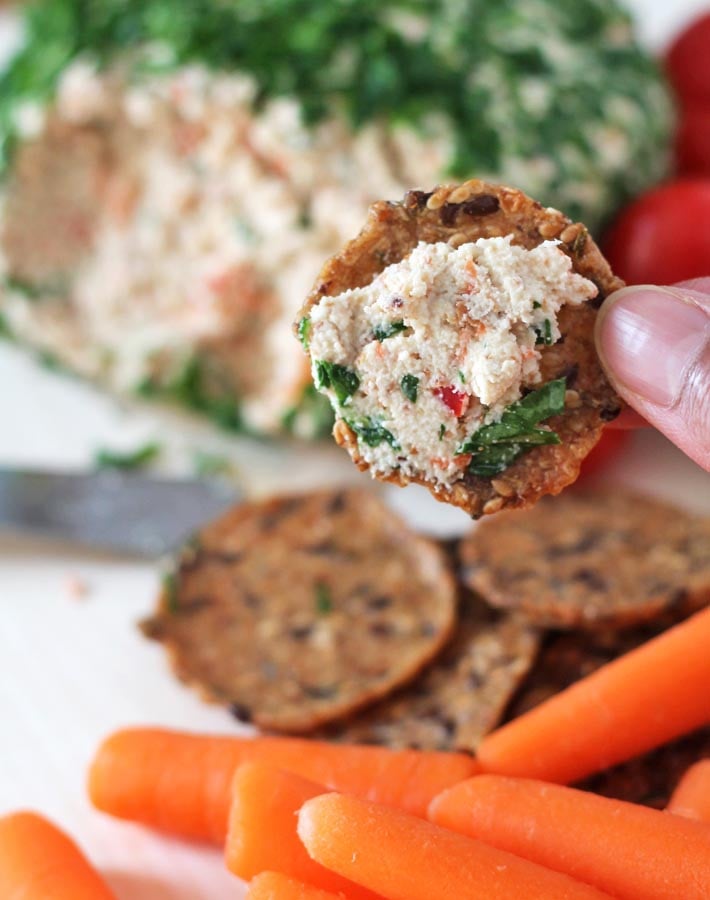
[275, 886]
[639, 701]
[691, 797]
[403, 857]
[629, 851]
[40, 862]
[181, 783]
[262, 829]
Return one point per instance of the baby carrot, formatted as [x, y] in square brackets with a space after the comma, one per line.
[629, 851]
[404, 857]
[275, 886]
[655, 693]
[262, 829]
[691, 798]
[38, 862]
[181, 782]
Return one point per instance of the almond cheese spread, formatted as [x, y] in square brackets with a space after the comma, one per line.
[439, 345]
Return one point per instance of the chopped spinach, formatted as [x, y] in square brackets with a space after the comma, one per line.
[133, 459]
[357, 56]
[195, 386]
[33, 290]
[311, 416]
[342, 381]
[410, 387]
[210, 465]
[494, 447]
[304, 327]
[543, 335]
[372, 433]
[324, 600]
[388, 330]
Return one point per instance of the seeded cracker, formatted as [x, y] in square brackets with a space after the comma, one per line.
[299, 610]
[553, 350]
[591, 560]
[462, 695]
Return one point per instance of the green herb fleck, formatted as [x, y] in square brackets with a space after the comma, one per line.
[442, 431]
[170, 592]
[388, 330]
[324, 600]
[311, 416]
[537, 304]
[245, 231]
[544, 335]
[201, 387]
[134, 459]
[23, 286]
[210, 465]
[462, 377]
[372, 433]
[304, 327]
[494, 447]
[343, 381]
[410, 387]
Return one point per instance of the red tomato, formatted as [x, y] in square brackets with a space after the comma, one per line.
[688, 60]
[610, 444]
[664, 235]
[455, 400]
[693, 138]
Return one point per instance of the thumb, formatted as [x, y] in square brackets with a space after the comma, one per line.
[654, 344]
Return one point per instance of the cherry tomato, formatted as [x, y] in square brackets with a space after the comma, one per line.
[455, 400]
[688, 60]
[664, 235]
[612, 441]
[693, 138]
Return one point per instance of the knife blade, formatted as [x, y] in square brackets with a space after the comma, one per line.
[124, 512]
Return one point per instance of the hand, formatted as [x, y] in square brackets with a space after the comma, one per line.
[654, 344]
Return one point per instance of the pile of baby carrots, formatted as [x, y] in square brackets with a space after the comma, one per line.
[305, 820]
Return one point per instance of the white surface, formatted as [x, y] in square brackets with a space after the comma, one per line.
[72, 670]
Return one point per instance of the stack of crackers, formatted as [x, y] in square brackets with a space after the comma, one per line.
[325, 614]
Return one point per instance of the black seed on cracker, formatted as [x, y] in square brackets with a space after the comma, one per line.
[462, 695]
[591, 560]
[298, 638]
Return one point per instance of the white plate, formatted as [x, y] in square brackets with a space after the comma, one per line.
[72, 670]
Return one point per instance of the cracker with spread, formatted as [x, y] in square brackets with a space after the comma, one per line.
[454, 339]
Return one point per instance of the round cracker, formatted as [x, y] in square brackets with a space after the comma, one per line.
[462, 214]
[591, 560]
[462, 695]
[299, 610]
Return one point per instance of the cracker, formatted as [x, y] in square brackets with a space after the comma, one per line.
[652, 778]
[591, 560]
[565, 658]
[465, 213]
[299, 610]
[462, 695]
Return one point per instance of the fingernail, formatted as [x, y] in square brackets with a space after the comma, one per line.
[647, 339]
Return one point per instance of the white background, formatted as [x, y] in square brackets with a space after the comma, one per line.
[72, 670]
